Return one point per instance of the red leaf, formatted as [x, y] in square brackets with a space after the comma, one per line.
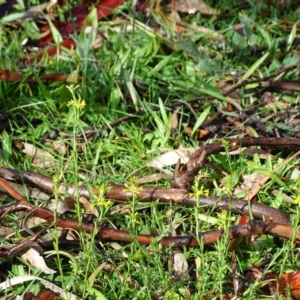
[244, 219]
[106, 7]
[6, 75]
[79, 12]
[51, 51]
[292, 279]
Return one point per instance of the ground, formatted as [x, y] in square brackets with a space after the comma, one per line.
[149, 150]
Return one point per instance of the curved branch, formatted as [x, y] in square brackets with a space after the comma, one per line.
[118, 192]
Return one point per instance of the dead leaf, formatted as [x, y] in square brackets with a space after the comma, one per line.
[171, 158]
[89, 208]
[59, 147]
[23, 278]
[71, 235]
[41, 158]
[193, 6]
[180, 264]
[59, 205]
[199, 134]
[295, 174]
[248, 183]
[153, 178]
[5, 231]
[33, 222]
[260, 179]
[37, 261]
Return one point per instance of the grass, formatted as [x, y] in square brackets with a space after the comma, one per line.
[147, 68]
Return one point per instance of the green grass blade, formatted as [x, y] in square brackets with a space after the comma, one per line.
[254, 67]
[201, 119]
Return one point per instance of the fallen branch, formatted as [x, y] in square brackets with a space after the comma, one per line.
[120, 193]
[185, 173]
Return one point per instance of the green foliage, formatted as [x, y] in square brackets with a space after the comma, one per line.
[139, 72]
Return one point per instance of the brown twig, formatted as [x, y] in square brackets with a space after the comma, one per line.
[22, 246]
[283, 230]
[187, 172]
[148, 194]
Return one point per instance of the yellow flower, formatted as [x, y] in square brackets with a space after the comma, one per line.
[135, 218]
[197, 193]
[107, 203]
[297, 200]
[100, 198]
[132, 187]
[76, 102]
